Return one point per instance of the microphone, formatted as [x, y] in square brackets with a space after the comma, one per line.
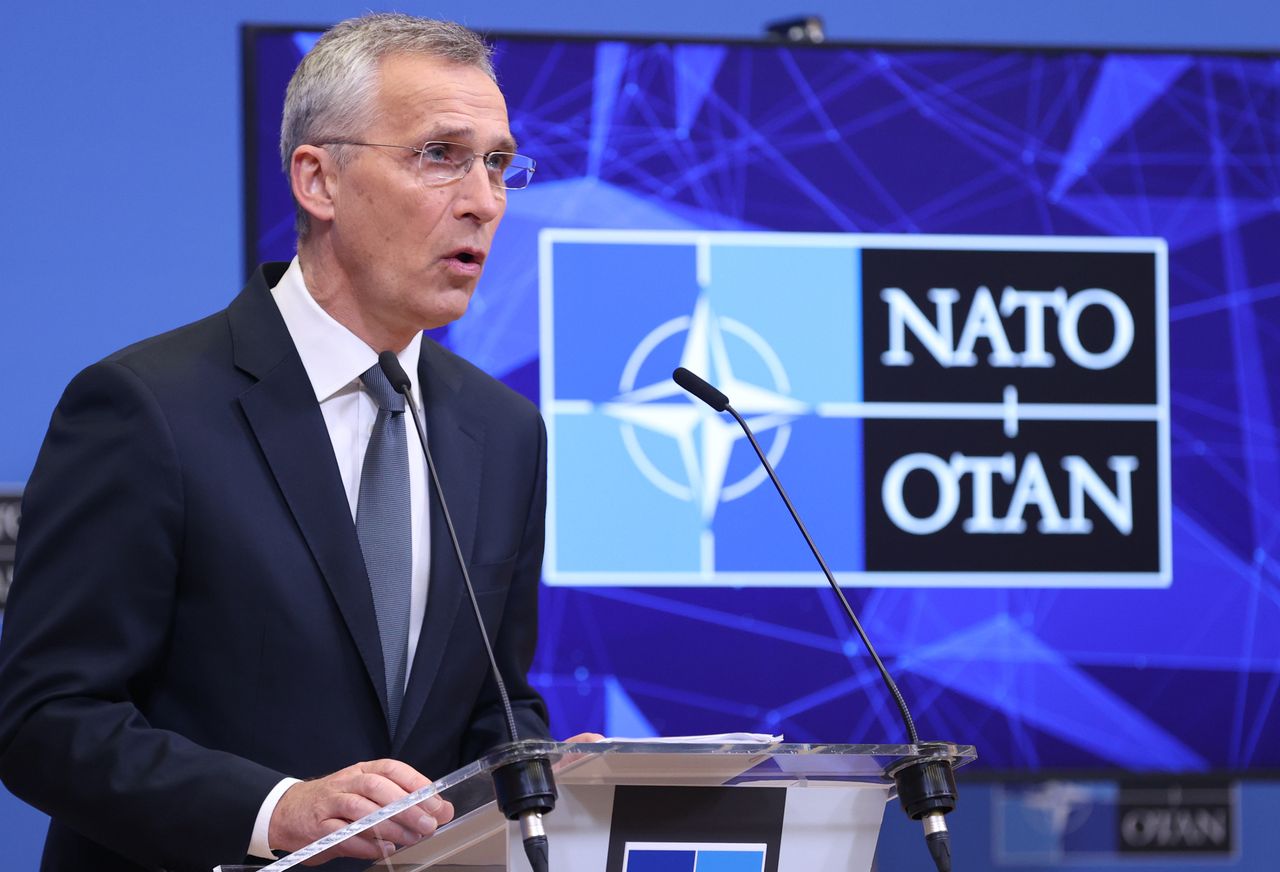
[525, 789]
[926, 788]
[700, 389]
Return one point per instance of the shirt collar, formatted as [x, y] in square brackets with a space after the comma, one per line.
[331, 354]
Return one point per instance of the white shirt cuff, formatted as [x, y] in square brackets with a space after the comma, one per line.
[258, 845]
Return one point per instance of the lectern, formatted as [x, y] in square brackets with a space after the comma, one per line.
[664, 807]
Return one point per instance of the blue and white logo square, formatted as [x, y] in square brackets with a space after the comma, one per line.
[693, 857]
[1055, 823]
[647, 484]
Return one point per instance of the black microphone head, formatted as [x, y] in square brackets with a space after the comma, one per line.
[394, 372]
[700, 388]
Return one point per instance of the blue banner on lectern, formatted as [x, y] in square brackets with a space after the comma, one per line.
[692, 857]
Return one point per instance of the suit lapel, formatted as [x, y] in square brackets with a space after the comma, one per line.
[287, 422]
[457, 447]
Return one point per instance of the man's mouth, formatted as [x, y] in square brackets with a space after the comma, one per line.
[468, 256]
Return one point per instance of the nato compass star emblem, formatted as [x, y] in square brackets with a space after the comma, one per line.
[704, 438]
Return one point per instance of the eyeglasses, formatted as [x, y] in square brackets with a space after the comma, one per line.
[443, 162]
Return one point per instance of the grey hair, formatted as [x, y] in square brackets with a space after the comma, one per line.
[331, 94]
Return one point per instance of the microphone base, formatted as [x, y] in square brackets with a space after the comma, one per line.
[525, 787]
[926, 787]
[927, 791]
[525, 791]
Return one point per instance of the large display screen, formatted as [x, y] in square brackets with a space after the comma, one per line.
[1006, 321]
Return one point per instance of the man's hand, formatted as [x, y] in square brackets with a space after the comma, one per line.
[585, 737]
[312, 809]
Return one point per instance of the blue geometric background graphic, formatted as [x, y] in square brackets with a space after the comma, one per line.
[654, 136]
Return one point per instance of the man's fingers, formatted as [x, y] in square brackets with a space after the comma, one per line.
[375, 785]
[404, 775]
[441, 810]
[361, 847]
[310, 810]
[410, 825]
[376, 788]
[401, 832]
[378, 841]
[391, 831]
[409, 780]
[585, 737]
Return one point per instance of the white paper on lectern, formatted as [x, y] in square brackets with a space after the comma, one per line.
[715, 739]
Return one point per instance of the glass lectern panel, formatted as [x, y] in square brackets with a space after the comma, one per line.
[476, 836]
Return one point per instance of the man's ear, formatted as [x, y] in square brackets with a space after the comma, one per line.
[313, 177]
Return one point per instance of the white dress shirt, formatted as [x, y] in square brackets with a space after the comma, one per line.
[334, 358]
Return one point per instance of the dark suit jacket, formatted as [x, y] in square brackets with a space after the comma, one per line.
[190, 619]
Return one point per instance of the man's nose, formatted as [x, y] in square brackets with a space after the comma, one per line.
[478, 195]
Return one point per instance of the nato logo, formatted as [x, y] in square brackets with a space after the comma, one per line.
[1070, 822]
[970, 411]
[1049, 823]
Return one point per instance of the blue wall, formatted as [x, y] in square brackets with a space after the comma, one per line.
[120, 199]
[120, 196]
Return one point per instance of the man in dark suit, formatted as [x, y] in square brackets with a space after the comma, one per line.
[198, 616]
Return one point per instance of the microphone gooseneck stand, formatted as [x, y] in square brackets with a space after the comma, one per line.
[926, 788]
[525, 789]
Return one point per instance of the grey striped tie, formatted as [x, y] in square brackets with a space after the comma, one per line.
[383, 523]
